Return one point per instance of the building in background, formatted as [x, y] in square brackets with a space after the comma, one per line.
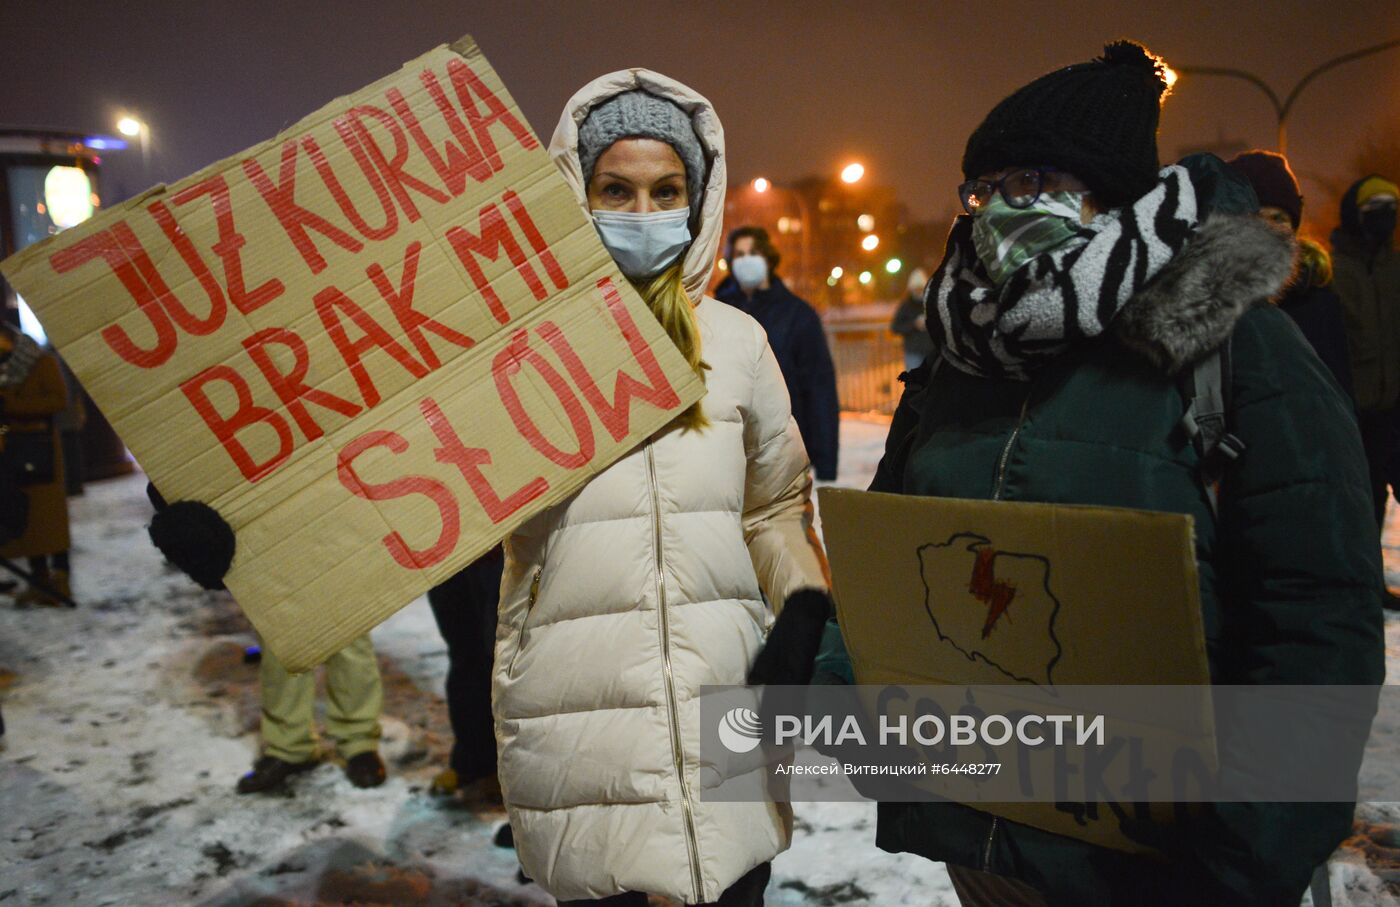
[846, 241]
[847, 245]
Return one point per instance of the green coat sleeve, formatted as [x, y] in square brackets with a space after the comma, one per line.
[1296, 521]
[833, 664]
[1301, 556]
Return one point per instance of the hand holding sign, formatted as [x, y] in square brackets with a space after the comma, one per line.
[373, 345]
[194, 538]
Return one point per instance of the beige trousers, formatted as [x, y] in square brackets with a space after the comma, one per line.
[354, 697]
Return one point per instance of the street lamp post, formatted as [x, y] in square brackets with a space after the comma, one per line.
[1282, 108]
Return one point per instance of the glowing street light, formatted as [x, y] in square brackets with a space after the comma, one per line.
[865, 277]
[870, 242]
[852, 173]
[893, 265]
[131, 127]
[866, 223]
[836, 272]
[761, 185]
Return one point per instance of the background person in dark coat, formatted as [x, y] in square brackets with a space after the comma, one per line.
[1312, 303]
[909, 322]
[795, 333]
[1366, 270]
[1309, 298]
[465, 609]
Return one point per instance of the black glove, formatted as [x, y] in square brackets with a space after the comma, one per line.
[790, 655]
[193, 537]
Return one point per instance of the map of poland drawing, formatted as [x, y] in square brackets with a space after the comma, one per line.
[1003, 613]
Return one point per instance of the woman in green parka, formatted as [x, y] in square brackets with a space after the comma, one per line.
[1082, 283]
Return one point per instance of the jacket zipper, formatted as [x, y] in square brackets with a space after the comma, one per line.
[524, 630]
[1006, 451]
[996, 496]
[678, 753]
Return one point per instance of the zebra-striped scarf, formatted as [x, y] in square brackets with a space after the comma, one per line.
[1064, 295]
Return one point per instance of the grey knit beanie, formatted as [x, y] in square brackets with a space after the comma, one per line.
[639, 114]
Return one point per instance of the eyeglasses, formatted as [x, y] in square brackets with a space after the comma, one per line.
[1019, 188]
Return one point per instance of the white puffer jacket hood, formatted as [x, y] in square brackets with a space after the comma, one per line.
[563, 148]
[621, 602]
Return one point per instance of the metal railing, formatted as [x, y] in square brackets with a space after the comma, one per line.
[868, 361]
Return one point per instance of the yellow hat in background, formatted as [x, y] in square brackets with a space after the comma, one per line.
[1376, 186]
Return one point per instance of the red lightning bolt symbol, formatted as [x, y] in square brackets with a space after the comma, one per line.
[984, 585]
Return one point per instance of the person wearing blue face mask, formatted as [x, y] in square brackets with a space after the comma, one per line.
[689, 562]
[795, 332]
[1083, 286]
[620, 603]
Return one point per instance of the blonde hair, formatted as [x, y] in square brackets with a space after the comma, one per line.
[666, 297]
[1315, 258]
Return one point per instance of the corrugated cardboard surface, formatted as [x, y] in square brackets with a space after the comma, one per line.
[1102, 596]
[389, 176]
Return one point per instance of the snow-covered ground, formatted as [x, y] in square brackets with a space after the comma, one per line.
[130, 718]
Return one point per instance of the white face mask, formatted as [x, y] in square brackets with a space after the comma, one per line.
[750, 270]
[644, 245]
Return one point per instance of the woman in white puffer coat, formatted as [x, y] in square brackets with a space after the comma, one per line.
[618, 604]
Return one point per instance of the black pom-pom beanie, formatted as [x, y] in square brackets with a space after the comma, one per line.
[1096, 120]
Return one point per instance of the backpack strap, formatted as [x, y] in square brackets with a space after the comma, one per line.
[1206, 422]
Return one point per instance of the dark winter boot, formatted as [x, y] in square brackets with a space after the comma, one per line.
[482, 793]
[365, 769]
[38, 591]
[271, 773]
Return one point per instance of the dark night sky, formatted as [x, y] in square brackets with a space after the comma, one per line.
[800, 87]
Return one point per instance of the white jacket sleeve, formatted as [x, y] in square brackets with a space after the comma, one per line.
[778, 490]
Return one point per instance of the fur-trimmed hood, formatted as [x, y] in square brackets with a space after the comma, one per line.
[1231, 262]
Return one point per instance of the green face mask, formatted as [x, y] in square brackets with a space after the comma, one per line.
[1006, 238]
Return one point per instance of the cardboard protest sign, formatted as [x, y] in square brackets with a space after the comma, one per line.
[1020, 597]
[375, 344]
